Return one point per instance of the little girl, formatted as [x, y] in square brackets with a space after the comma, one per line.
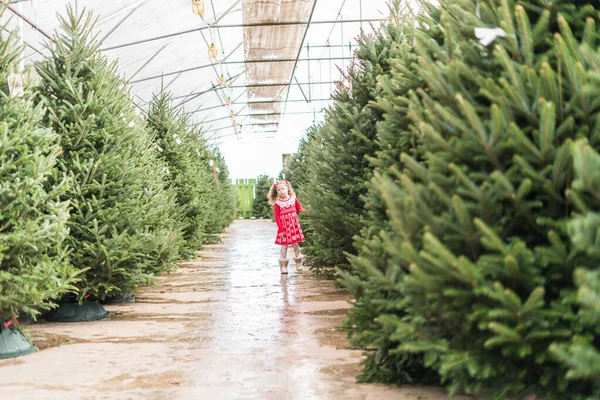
[286, 208]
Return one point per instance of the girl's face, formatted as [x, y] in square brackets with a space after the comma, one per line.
[282, 191]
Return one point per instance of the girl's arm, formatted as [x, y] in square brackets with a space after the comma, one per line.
[277, 218]
[299, 207]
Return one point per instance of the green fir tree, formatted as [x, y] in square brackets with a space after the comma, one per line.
[106, 156]
[479, 263]
[226, 207]
[376, 292]
[261, 207]
[33, 218]
[336, 164]
[221, 195]
[297, 171]
[582, 354]
[205, 208]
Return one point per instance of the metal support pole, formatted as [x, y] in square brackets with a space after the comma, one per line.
[213, 107]
[256, 102]
[170, 83]
[119, 23]
[302, 91]
[203, 28]
[247, 86]
[218, 31]
[147, 62]
[342, 31]
[216, 73]
[308, 56]
[197, 94]
[299, 52]
[27, 20]
[360, 13]
[234, 62]
[21, 41]
[330, 75]
[264, 114]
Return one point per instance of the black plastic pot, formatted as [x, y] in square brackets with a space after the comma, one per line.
[13, 343]
[128, 298]
[69, 310]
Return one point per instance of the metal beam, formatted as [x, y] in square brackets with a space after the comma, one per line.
[299, 52]
[253, 133]
[232, 79]
[217, 129]
[27, 20]
[302, 91]
[170, 83]
[27, 44]
[262, 123]
[213, 107]
[250, 86]
[240, 62]
[229, 126]
[263, 114]
[257, 102]
[119, 23]
[197, 94]
[218, 31]
[203, 28]
[147, 62]
[206, 26]
[217, 75]
[283, 101]
[278, 84]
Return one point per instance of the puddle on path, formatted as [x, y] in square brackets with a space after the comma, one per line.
[227, 325]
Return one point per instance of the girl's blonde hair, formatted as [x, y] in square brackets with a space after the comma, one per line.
[273, 191]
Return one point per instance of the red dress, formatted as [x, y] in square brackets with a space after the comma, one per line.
[286, 216]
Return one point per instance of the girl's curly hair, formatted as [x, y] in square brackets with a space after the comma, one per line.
[273, 191]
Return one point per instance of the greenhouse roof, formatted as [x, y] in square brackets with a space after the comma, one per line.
[274, 58]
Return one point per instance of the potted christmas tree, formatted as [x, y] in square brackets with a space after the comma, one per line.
[33, 268]
[113, 226]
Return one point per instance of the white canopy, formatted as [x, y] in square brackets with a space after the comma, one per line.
[275, 56]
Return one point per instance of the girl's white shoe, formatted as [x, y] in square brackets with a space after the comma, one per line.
[298, 261]
[283, 264]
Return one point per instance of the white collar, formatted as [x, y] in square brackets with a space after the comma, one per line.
[286, 202]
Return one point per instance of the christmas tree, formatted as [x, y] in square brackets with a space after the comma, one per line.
[220, 196]
[260, 206]
[582, 354]
[163, 225]
[225, 207]
[375, 289]
[336, 160]
[297, 170]
[480, 263]
[191, 170]
[33, 267]
[104, 154]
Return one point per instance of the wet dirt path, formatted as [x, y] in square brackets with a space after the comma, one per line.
[227, 325]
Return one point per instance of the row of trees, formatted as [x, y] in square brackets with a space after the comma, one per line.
[455, 187]
[94, 198]
[260, 206]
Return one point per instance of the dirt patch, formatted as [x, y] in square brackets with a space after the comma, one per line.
[45, 341]
[332, 336]
[340, 312]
